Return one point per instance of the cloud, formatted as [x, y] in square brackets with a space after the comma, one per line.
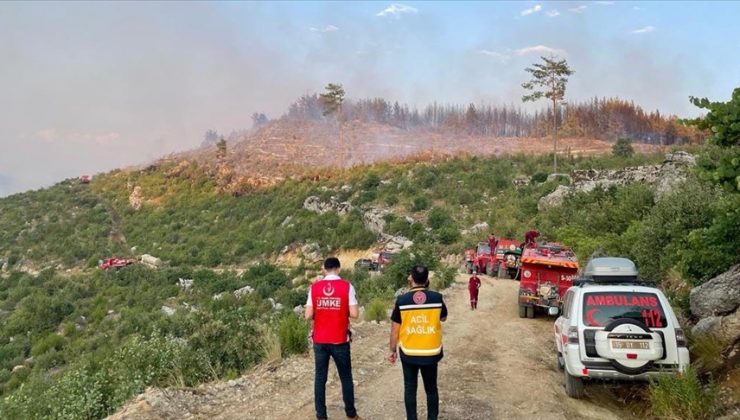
[604, 3]
[396, 10]
[541, 50]
[494, 54]
[578, 9]
[645, 30]
[327, 28]
[536, 8]
[553, 13]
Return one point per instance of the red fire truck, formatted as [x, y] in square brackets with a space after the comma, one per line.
[547, 271]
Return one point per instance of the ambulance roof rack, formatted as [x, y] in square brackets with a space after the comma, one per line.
[612, 271]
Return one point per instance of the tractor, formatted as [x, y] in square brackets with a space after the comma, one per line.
[547, 271]
[508, 259]
[483, 261]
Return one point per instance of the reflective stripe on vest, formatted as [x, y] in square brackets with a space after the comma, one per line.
[421, 329]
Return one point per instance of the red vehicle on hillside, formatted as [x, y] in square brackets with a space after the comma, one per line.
[116, 263]
[547, 272]
[385, 259]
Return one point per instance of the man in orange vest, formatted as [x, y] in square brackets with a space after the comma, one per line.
[417, 330]
[331, 302]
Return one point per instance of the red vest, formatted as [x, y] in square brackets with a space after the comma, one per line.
[330, 300]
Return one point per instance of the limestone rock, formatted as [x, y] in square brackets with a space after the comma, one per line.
[314, 203]
[246, 290]
[374, 220]
[135, 198]
[662, 177]
[167, 310]
[718, 296]
[186, 284]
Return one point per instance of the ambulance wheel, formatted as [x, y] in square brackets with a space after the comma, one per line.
[530, 311]
[522, 311]
[574, 386]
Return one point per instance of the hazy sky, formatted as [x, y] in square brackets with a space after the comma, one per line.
[87, 87]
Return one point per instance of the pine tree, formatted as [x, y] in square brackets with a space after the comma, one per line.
[549, 80]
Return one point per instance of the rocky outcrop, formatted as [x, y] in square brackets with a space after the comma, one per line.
[374, 220]
[311, 251]
[151, 261]
[246, 290]
[396, 243]
[314, 203]
[718, 296]
[477, 228]
[135, 199]
[716, 304]
[662, 177]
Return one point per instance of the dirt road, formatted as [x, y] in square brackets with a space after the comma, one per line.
[496, 366]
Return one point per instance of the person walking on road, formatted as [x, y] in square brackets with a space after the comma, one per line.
[331, 302]
[473, 286]
[416, 330]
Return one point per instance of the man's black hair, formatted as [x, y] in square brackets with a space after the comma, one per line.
[331, 263]
[420, 275]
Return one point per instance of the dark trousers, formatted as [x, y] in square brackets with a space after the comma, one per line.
[342, 359]
[410, 381]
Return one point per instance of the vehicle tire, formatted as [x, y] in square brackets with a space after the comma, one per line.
[574, 386]
[620, 367]
[530, 311]
[522, 311]
[502, 272]
[489, 269]
[559, 361]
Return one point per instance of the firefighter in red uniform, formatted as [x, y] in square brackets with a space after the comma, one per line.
[492, 243]
[530, 238]
[473, 286]
[331, 302]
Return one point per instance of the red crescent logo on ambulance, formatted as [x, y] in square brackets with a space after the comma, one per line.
[590, 318]
[328, 290]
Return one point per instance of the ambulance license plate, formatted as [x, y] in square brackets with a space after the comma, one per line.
[630, 345]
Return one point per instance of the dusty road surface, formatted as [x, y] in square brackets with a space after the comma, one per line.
[496, 366]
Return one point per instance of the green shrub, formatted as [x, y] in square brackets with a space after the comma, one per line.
[419, 203]
[706, 351]
[438, 218]
[684, 397]
[539, 177]
[444, 277]
[623, 148]
[448, 235]
[376, 311]
[52, 341]
[293, 333]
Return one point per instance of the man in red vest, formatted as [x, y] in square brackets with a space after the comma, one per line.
[331, 302]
